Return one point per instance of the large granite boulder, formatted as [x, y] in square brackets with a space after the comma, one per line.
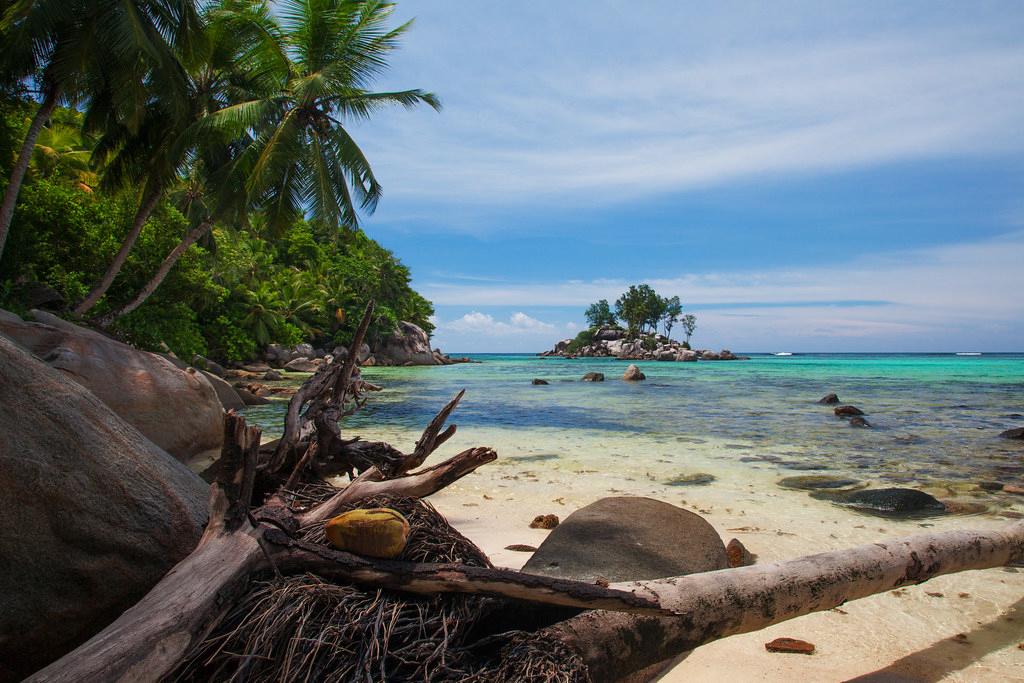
[92, 513]
[629, 539]
[609, 334]
[178, 410]
[407, 345]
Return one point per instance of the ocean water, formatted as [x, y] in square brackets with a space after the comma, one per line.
[935, 417]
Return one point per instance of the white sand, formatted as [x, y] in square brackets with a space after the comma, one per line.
[888, 637]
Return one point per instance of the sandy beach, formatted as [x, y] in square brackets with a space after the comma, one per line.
[963, 627]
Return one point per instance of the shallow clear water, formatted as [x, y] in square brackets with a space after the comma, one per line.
[934, 417]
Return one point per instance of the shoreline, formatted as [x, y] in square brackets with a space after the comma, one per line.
[907, 635]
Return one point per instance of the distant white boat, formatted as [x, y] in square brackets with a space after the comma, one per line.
[969, 353]
[782, 353]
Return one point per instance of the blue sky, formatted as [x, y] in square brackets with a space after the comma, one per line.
[804, 176]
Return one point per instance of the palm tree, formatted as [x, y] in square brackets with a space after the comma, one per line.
[98, 51]
[238, 46]
[301, 159]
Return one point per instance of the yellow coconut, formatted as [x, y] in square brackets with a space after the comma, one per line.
[375, 532]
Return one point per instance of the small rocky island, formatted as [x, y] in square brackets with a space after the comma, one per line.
[614, 342]
[629, 331]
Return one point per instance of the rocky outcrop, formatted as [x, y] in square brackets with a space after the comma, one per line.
[408, 345]
[92, 513]
[612, 343]
[629, 539]
[177, 409]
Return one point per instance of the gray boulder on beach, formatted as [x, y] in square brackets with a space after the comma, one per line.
[94, 513]
[302, 365]
[177, 409]
[408, 345]
[629, 539]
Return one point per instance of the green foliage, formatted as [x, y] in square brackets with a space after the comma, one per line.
[584, 338]
[640, 308]
[689, 323]
[226, 300]
[671, 310]
[650, 343]
[600, 315]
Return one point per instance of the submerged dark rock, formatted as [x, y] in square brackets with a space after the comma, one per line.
[629, 539]
[593, 377]
[890, 502]
[829, 399]
[539, 382]
[698, 479]
[815, 482]
[1017, 433]
[858, 421]
[847, 411]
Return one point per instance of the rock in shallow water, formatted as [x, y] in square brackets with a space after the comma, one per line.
[697, 479]
[890, 502]
[629, 539]
[815, 482]
[829, 399]
[1017, 433]
[633, 374]
[593, 377]
[847, 411]
[539, 382]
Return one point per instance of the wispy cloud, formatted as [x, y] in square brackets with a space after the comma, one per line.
[950, 294]
[480, 323]
[616, 132]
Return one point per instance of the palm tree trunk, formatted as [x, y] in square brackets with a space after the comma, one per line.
[165, 267]
[141, 216]
[42, 115]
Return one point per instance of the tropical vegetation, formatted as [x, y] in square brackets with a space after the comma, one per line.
[184, 174]
[639, 311]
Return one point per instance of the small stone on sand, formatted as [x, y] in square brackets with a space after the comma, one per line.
[790, 645]
[544, 522]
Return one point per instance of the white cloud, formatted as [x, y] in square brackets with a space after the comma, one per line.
[608, 132]
[934, 297]
[481, 323]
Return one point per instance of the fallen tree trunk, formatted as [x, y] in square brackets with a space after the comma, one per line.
[714, 605]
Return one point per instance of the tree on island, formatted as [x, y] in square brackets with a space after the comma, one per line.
[640, 308]
[600, 315]
[672, 309]
[689, 322]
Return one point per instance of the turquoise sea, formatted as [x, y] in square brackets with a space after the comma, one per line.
[935, 417]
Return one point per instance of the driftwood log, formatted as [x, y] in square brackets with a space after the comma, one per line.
[624, 628]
